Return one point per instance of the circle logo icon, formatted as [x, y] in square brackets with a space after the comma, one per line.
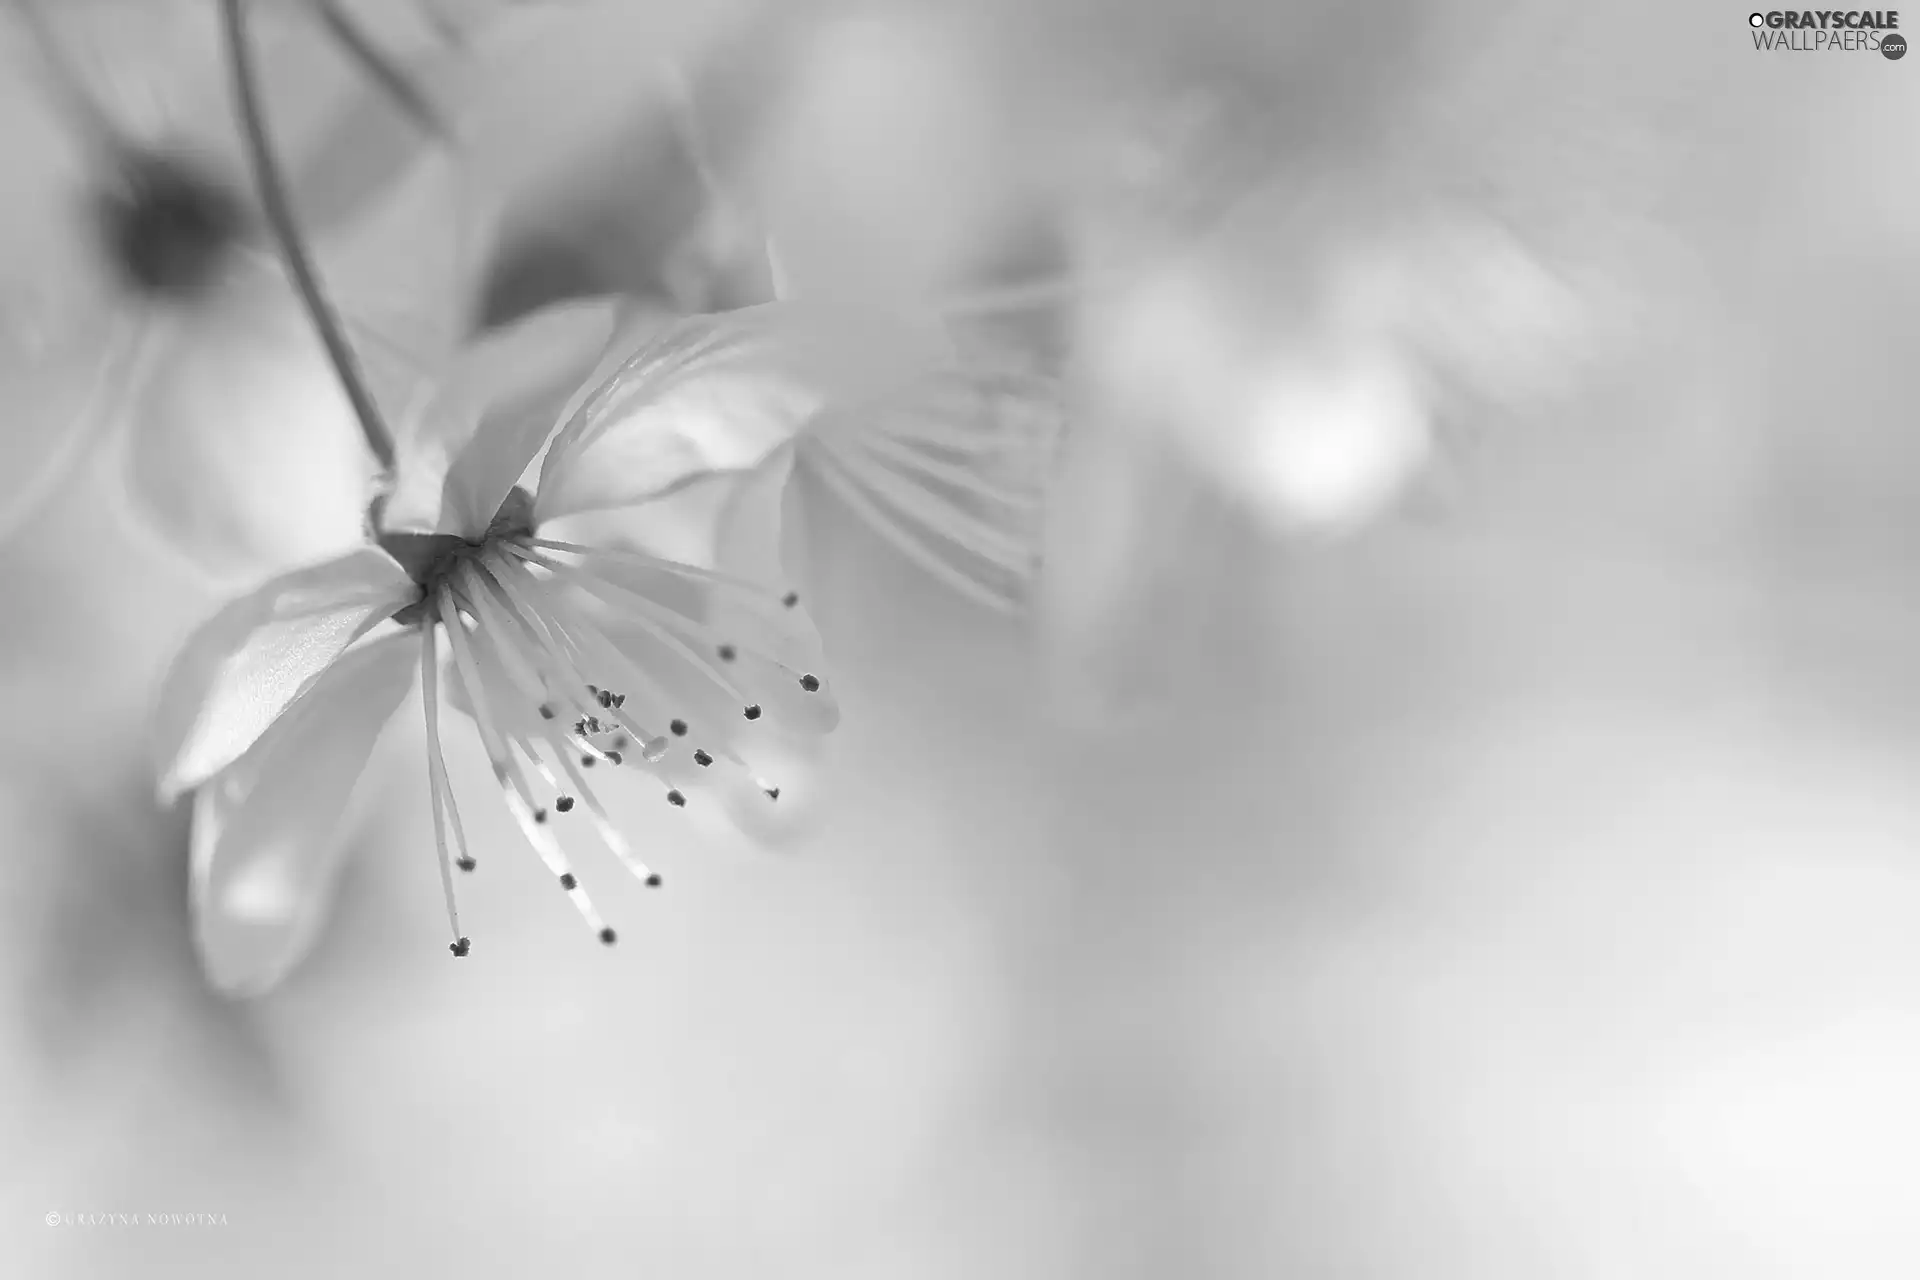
[1894, 47]
[1756, 19]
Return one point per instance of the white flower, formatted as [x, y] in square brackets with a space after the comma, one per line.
[569, 656]
[142, 307]
[946, 458]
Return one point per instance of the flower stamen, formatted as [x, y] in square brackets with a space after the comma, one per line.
[439, 792]
[513, 784]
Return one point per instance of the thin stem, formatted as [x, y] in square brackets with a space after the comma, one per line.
[286, 231]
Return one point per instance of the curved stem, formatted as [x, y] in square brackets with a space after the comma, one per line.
[286, 231]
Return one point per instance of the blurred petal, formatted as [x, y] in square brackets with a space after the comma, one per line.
[751, 534]
[346, 142]
[1125, 514]
[243, 455]
[750, 542]
[801, 767]
[269, 831]
[242, 668]
[406, 275]
[498, 403]
[58, 405]
[712, 393]
[247, 458]
[1329, 444]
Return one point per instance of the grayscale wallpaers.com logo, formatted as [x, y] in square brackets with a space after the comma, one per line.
[1826, 30]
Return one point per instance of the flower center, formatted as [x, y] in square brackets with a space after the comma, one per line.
[431, 559]
[168, 226]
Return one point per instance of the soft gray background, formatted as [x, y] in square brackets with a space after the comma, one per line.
[1523, 887]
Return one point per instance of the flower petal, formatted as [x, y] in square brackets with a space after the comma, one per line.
[750, 535]
[242, 668]
[245, 456]
[59, 403]
[242, 455]
[406, 275]
[500, 400]
[715, 393]
[270, 829]
[1128, 524]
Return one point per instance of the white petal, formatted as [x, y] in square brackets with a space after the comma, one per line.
[501, 398]
[242, 668]
[714, 393]
[269, 831]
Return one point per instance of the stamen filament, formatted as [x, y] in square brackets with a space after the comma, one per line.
[603, 826]
[513, 783]
[439, 792]
[551, 643]
[569, 634]
[641, 559]
[582, 632]
[944, 519]
[901, 453]
[831, 473]
[498, 623]
[658, 623]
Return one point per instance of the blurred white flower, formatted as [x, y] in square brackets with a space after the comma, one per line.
[945, 458]
[146, 310]
[567, 655]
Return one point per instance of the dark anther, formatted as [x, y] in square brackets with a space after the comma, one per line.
[605, 699]
[679, 728]
[653, 881]
[614, 758]
[810, 682]
[466, 864]
[580, 728]
[564, 804]
[461, 947]
[619, 699]
[773, 793]
[594, 689]
[546, 712]
[727, 653]
[567, 881]
[790, 599]
[677, 800]
[593, 723]
[753, 712]
[702, 759]
[539, 815]
[586, 762]
[609, 937]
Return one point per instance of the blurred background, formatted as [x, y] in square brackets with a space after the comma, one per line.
[1452, 815]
